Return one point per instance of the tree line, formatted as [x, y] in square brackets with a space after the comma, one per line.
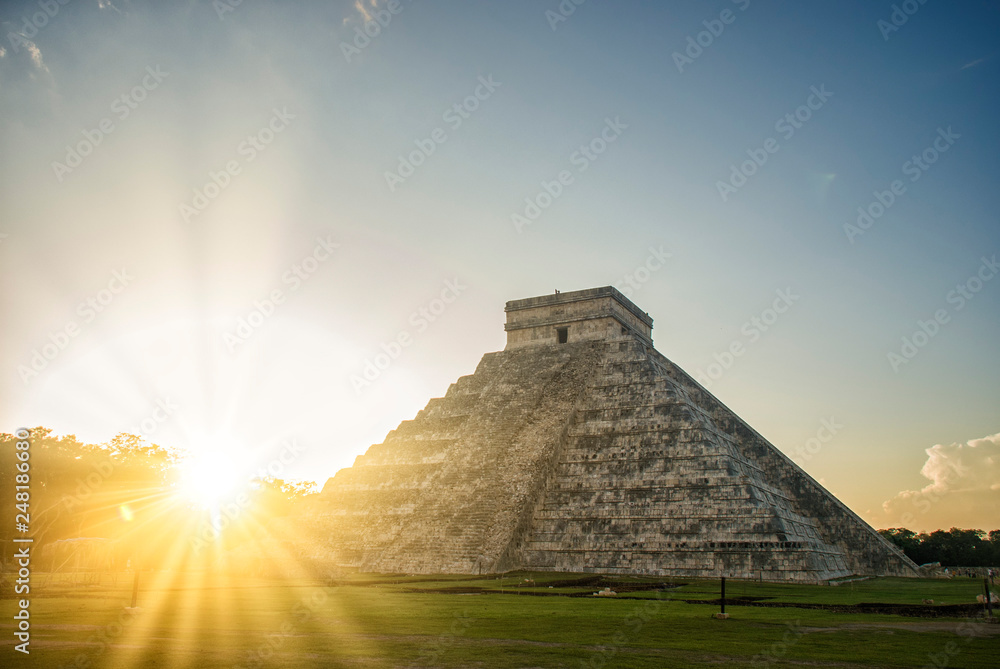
[125, 492]
[952, 548]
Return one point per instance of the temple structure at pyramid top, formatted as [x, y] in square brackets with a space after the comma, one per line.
[581, 448]
[581, 315]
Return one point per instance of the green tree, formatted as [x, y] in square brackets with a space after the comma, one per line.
[955, 547]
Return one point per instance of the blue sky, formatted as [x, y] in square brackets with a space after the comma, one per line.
[330, 127]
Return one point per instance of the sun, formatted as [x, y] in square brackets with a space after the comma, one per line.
[210, 475]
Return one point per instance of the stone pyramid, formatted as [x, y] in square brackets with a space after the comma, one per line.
[580, 448]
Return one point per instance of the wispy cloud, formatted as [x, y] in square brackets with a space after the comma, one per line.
[974, 63]
[360, 6]
[364, 8]
[107, 4]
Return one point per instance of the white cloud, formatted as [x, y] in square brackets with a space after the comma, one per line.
[964, 488]
[36, 56]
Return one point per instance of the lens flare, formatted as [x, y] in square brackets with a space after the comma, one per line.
[211, 473]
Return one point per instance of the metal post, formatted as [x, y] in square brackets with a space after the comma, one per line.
[723, 595]
[989, 602]
[135, 587]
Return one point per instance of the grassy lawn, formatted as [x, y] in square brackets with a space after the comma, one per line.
[193, 620]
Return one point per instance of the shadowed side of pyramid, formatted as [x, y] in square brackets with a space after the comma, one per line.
[864, 550]
[581, 448]
[447, 491]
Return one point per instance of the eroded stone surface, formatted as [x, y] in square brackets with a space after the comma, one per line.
[596, 455]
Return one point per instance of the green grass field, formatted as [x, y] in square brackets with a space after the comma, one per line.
[196, 620]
